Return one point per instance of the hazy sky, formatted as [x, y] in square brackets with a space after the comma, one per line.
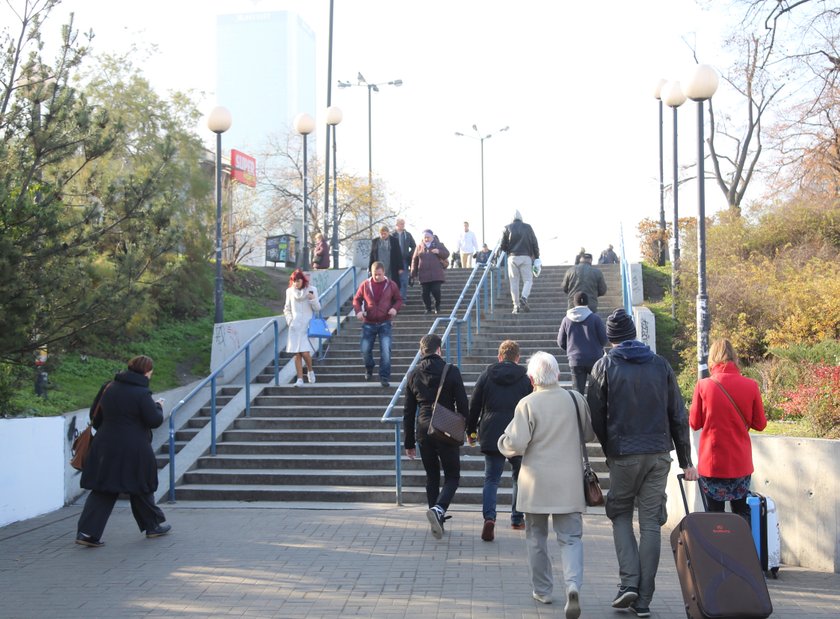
[573, 80]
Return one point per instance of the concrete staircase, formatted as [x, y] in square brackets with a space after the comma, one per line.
[325, 442]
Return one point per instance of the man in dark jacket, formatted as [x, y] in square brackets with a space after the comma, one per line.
[520, 244]
[495, 396]
[376, 302]
[639, 417]
[407, 247]
[386, 249]
[585, 278]
[421, 392]
[582, 337]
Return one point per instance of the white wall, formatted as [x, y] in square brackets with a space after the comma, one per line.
[31, 467]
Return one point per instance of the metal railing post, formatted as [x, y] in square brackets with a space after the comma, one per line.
[171, 458]
[398, 462]
[213, 416]
[276, 354]
[247, 381]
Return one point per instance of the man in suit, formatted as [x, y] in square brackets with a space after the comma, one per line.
[386, 249]
[407, 247]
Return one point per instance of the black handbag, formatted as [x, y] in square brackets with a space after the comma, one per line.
[445, 425]
[592, 493]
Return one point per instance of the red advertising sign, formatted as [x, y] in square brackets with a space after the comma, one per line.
[243, 168]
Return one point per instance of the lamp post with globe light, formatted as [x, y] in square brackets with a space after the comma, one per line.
[673, 97]
[701, 86]
[304, 124]
[218, 122]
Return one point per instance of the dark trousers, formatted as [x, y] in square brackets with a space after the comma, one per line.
[431, 289]
[99, 505]
[436, 455]
[579, 375]
[739, 506]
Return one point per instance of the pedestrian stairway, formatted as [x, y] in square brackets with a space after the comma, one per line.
[326, 442]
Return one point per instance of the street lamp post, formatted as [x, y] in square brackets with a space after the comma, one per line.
[673, 97]
[481, 137]
[371, 88]
[700, 87]
[334, 117]
[218, 122]
[304, 125]
[660, 244]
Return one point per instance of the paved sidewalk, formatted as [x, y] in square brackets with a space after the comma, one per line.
[258, 560]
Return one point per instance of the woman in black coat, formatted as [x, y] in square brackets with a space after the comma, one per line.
[121, 459]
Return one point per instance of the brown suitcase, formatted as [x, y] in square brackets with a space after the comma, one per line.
[718, 567]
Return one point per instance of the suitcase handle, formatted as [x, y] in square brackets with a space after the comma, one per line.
[681, 480]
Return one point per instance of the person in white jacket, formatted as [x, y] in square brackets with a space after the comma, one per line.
[544, 432]
[301, 305]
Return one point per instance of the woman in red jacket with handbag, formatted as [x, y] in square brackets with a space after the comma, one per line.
[725, 406]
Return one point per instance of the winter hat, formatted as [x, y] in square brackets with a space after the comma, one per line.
[429, 232]
[517, 215]
[581, 298]
[620, 327]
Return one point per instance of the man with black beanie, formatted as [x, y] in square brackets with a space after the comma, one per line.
[638, 416]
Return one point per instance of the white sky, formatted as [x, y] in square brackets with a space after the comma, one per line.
[573, 80]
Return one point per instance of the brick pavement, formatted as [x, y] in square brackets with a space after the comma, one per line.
[258, 560]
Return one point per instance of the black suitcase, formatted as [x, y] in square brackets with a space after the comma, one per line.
[718, 567]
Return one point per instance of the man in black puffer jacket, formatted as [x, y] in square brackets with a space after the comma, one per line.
[495, 396]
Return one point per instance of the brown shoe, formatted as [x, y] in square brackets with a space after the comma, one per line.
[487, 532]
[519, 526]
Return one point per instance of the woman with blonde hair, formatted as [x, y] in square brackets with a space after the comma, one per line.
[301, 305]
[726, 406]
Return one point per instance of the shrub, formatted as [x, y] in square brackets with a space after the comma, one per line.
[817, 399]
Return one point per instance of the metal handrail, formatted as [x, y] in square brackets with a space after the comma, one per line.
[626, 278]
[245, 348]
[452, 320]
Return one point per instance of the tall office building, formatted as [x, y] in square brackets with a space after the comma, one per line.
[266, 74]
[266, 77]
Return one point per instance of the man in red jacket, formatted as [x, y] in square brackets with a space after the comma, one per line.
[376, 302]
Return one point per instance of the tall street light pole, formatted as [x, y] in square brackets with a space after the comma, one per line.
[700, 87]
[334, 117]
[660, 243]
[673, 97]
[371, 88]
[481, 137]
[304, 125]
[218, 122]
[329, 103]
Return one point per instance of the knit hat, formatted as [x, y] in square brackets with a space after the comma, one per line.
[429, 232]
[581, 298]
[517, 215]
[620, 327]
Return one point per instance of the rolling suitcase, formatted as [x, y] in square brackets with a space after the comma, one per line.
[718, 567]
[765, 531]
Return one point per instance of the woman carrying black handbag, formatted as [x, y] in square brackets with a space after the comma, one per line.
[421, 394]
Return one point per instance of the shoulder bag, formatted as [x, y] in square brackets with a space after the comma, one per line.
[446, 426]
[726, 393]
[318, 327]
[81, 444]
[591, 486]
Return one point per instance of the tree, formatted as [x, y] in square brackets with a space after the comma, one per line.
[100, 192]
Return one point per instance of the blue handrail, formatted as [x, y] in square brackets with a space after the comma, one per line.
[626, 278]
[452, 320]
[246, 349]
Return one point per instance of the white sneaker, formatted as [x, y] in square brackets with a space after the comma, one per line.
[311, 377]
[572, 604]
[299, 382]
[542, 599]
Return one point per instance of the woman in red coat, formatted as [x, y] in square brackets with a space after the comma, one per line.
[726, 465]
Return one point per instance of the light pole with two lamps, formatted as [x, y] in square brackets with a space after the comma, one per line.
[700, 87]
[673, 97]
[218, 122]
[481, 137]
[371, 88]
[334, 117]
[304, 125]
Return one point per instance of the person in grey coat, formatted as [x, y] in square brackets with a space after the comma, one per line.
[544, 431]
[584, 277]
[121, 459]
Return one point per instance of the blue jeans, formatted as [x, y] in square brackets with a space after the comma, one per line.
[494, 465]
[369, 333]
[404, 282]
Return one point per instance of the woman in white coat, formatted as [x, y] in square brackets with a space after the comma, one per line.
[301, 305]
[544, 432]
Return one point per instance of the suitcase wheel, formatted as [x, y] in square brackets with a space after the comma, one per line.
[773, 572]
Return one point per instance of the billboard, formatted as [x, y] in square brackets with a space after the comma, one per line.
[243, 168]
[280, 248]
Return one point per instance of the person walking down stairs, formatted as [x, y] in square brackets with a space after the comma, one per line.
[375, 303]
[423, 389]
[301, 305]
